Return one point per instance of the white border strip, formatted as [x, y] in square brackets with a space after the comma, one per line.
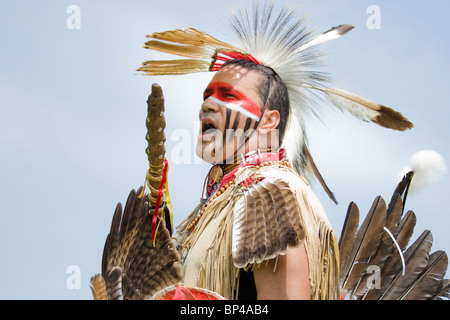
[235, 107]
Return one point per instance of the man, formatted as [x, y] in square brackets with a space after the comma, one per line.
[243, 117]
[260, 232]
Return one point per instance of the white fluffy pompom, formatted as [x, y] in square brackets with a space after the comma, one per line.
[428, 167]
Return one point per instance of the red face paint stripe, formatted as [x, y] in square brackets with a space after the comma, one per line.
[228, 94]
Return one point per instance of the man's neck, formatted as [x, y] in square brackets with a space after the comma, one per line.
[231, 164]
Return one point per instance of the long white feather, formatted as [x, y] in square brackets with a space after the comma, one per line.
[332, 34]
[366, 110]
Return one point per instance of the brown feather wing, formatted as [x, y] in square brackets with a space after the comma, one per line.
[422, 276]
[260, 213]
[132, 267]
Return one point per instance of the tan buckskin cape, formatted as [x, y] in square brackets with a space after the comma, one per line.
[207, 252]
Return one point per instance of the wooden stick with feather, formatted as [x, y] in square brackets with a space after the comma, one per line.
[157, 171]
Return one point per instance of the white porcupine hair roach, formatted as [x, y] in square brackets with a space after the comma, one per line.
[283, 41]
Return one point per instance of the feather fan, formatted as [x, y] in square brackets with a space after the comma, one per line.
[422, 276]
[132, 267]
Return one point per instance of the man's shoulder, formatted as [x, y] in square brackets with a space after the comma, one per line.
[276, 181]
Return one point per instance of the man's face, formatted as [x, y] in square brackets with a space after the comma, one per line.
[229, 114]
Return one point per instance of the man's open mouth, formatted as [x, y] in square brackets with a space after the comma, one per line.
[208, 126]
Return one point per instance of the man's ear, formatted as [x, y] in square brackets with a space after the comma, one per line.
[269, 121]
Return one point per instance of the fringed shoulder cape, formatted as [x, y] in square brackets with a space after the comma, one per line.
[258, 212]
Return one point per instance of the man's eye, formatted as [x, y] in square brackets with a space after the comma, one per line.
[206, 96]
[231, 96]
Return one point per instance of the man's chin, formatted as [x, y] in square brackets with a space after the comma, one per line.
[208, 152]
[205, 151]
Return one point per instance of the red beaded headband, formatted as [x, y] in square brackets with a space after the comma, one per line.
[222, 56]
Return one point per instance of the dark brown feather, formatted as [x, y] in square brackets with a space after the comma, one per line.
[287, 204]
[427, 283]
[130, 212]
[250, 228]
[313, 167]
[443, 290]
[348, 233]
[402, 189]
[114, 235]
[393, 264]
[386, 248]
[272, 239]
[113, 280]
[259, 249]
[366, 244]
[391, 119]
[406, 229]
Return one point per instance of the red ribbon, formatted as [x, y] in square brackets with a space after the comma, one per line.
[230, 55]
[158, 199]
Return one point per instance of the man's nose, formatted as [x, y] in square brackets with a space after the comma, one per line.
[210, 106]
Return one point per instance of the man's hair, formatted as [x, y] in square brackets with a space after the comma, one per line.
[272, 90]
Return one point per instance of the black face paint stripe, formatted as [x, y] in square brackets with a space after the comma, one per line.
[236, 120]
[228, 117]
[248, 124]
[230, 131]
[231, 116]
[235, 117]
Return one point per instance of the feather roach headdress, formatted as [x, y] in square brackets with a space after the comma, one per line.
[282, 41]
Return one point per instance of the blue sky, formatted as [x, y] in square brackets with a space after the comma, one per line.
[72, 122]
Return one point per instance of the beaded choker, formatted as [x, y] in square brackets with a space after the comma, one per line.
[218, 171]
